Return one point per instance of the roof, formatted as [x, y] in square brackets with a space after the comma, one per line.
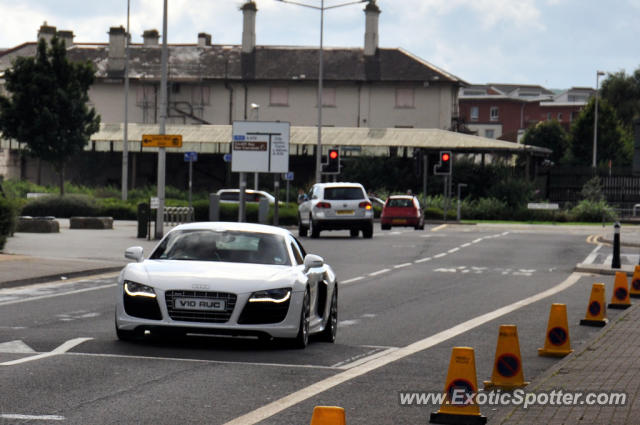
[216, 138]
[191, 62]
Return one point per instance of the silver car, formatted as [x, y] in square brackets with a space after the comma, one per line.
[336, 206]
[227, 279]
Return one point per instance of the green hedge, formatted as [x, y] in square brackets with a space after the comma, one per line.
[7, 220]
[61, 206]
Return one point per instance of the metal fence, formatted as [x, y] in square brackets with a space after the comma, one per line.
[177, 215]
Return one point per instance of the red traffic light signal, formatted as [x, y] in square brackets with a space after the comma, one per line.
[444, 166]
[332, 165]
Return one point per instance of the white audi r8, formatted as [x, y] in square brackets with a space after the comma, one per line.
[227, 279]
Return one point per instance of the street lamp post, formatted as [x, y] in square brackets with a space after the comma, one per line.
[595, 121]
[125, 136]
[255, 107]
[321, 8]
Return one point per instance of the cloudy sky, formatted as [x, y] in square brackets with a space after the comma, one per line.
[554, 43]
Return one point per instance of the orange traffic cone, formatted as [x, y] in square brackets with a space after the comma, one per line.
[597, 309]
[507, 368]
[557, 342]
[328, 415]
[635, 283]
[460, 390]
[620, 298]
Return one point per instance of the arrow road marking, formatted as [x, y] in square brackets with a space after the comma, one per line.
[59, 350]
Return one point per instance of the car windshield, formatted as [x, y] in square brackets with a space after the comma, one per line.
[343, 193]
[230, 246]
[400, 203]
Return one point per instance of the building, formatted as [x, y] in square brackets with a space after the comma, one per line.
[505, 111]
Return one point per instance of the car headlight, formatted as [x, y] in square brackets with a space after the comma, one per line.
[134, 289]
[277, 296]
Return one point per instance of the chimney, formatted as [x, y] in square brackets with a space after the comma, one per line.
[67, 37]
[151, 37]
[117, 38]
[204, 39]
[249, 10]
[46, 32]
[372, 12]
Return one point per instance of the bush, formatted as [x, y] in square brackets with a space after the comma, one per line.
[116, 208]
[7, 220]
[592, 211]
[514, 192]
[486, 209]
[19, 188]
[57, 206]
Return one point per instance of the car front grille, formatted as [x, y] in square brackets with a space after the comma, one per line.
[200, 315]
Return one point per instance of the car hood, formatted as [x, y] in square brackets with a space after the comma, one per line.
[211, 275]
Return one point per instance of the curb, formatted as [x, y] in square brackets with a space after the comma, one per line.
[58, 276]
[603, 270]
[552, 371]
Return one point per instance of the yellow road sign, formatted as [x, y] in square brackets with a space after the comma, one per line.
[161, 140]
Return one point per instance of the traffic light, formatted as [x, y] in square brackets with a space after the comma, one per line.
[444, 166]
[333, 162]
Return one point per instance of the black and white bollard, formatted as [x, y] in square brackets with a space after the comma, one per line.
[615, 261]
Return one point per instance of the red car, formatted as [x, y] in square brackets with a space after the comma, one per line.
[402, 210]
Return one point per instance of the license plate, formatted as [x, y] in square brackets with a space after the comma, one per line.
[399, 221]
[345, 212]
[205, 304]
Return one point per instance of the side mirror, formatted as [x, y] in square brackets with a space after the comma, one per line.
[312, 261]
[134, 253]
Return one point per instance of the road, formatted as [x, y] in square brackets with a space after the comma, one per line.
[406, 298]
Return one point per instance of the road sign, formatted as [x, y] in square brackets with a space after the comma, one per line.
[154, 203]
[161, 140]
[227, 157]
[260, 147]
[190, 156]
[288, 176]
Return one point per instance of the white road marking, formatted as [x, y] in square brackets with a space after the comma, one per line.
[348, 322]
[477, 240]
[443, 270]
[312, 390]
[440, 255]
[399, 266]
[32, 417]
[59, 350]
[355, 279]
[422, 260]
[464, 245]
[369, 315]
[358, 360]
[426, 236]
[16, 346]
[395, 233]
[379, 272]
[442, 226]
[593, 255]
[452, 250]
[175, 359]
[43, 297]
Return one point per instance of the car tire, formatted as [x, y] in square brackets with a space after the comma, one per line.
[314, 228]
[354, 233]
[385, 226]
[367, 231]
[302, 230]
[302, 339]
[331, 328]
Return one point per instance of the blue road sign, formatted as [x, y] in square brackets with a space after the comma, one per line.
[227, 157]
[190, 156]
[288, 176]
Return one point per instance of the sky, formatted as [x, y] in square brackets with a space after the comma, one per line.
[554, 43]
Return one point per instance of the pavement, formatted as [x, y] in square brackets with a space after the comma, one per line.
[608, 363]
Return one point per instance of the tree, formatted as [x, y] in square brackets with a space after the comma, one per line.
[623, 94]
[47, 105]
[614, 142]
[550, 135]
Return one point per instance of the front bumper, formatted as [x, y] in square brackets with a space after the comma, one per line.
[235, 325]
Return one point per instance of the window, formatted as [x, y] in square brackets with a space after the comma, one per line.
[559, 116]
[548, 116]
[404, 98]
[474, 113]
[279, 96]
[296, 254]
[328, 96]
[489, 134]
[494, 114]
[572, 116]
[343, 193]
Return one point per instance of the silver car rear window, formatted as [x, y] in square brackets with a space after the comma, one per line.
[343, 193]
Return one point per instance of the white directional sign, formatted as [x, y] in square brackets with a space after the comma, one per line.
[260, 147]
